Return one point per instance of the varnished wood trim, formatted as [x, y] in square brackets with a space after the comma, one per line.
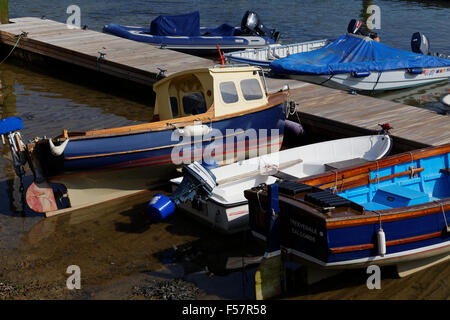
[207, 117]
[391, 215]
[346, 174]
[388, 243]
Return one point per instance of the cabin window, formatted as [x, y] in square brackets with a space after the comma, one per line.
[194, 103]
[251, 89]
[228, 92]
[174, 106]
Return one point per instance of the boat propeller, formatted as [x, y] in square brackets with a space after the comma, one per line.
[197, 180]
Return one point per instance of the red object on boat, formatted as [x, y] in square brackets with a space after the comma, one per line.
[222, 60]
[40, 197]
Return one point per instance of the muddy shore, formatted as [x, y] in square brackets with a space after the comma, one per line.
[125, 256]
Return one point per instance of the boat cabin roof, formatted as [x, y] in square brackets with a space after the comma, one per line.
[221, 90]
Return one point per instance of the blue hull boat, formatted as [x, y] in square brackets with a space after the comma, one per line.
[215, 115]
[393, 211]
[183, 33]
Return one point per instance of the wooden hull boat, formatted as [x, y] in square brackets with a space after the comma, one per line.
[393, 211]
[196, 111]
[183, 33]
[227, 209]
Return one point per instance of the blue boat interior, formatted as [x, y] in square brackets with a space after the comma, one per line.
[431, 184]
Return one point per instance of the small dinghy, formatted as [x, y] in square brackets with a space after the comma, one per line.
[264, 56]
[183, 33]
[197, 112]
[393, 211]
[226, 208]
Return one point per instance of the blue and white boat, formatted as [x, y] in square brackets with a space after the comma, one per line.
[392, 211]
[183, 33]
[361, 63]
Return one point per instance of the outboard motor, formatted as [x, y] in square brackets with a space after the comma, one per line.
[356, 27]
[251, 24]
[420, 43]
[197, 180]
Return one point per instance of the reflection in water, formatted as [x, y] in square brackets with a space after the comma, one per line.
[48, 105]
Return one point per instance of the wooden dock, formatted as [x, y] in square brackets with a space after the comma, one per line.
[322, 110]
[336, 111]
[122, 58]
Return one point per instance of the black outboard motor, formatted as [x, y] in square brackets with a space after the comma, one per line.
[357, 27]
[251, 24]
[420, 43]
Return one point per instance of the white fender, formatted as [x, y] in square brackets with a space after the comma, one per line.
[446, 100]
[194, 130]
[57, 151]
[381, 242]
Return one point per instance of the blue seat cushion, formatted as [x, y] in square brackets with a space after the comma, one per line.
[10, 124]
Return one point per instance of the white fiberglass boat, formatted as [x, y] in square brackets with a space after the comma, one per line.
[227, 210]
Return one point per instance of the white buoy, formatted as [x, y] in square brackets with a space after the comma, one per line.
[381, 242]
[446, 100]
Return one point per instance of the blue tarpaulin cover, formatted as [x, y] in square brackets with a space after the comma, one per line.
[354, 54]
[179, 25]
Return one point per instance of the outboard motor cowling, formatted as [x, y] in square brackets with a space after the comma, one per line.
[420, 43]
[197, 180]
[355, 27]
[251, 24]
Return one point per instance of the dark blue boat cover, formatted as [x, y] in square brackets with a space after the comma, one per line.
[354, 54]
[224, 30]
[179, 25]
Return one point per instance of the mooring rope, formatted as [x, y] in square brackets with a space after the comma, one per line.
[22, 35]
[443, 213]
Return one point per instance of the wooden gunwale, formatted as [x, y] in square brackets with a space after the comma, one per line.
[388, 243]
[274, 99]
[364, 169]
[390, 215]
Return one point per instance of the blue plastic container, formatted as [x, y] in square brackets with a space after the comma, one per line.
[210, 164]
[160, 207]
